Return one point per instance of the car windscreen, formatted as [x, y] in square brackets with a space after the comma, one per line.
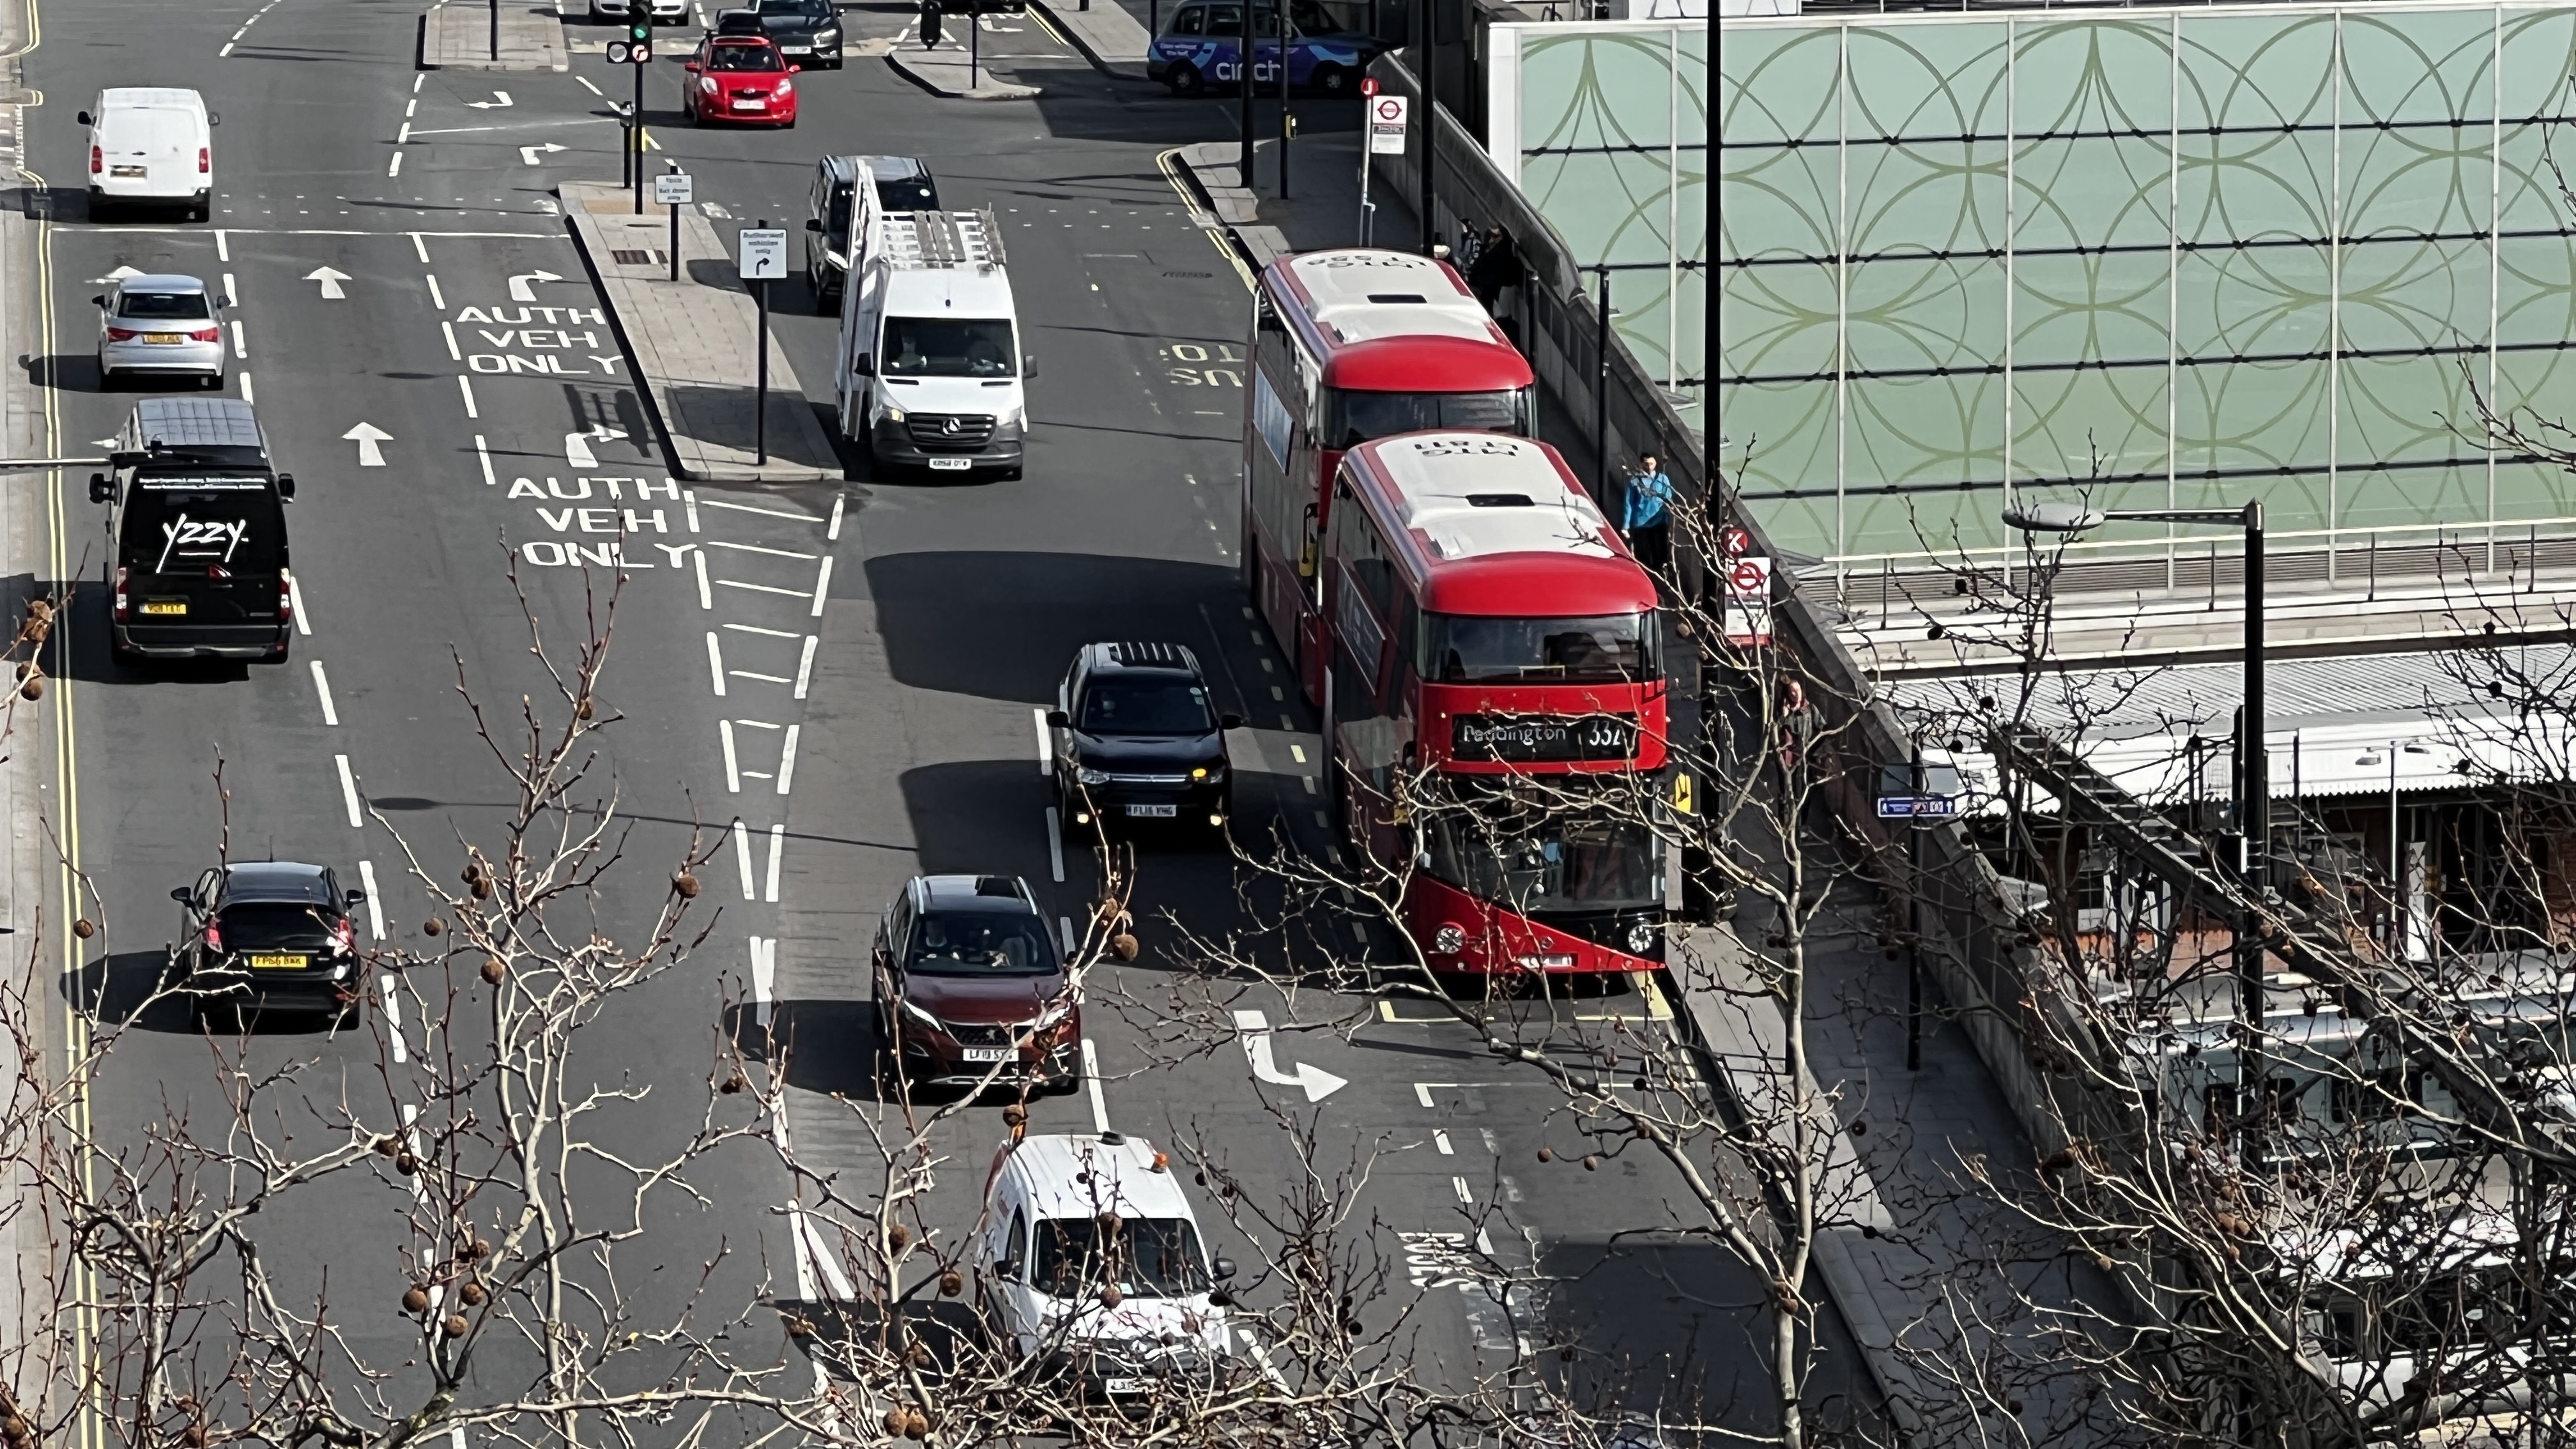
[158, 306]
[1145, 1257]
[273, 925]
[1145, 705]
[1607, 648]
[981, 943]
[907, 193]
[836, 224]
[201, 525]
[1357, 417]
[948, 347]
[814, 10]
[745, 58]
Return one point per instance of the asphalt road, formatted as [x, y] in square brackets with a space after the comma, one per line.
[892, 637]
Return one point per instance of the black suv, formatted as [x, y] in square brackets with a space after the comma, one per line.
[197, 563]
[273, 933]
[1136, 739]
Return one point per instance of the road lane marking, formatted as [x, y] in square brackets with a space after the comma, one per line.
[749, 508]
[437, 298]
[762, 678]
[1064, 924]
[248, 394]
[742, 857]
[733, 771]
[1298, 753]
[833, 529]
[420, 248]
[241, 344]
[822, 587]
[295, 597]
[1440, 1139]
[765, 588]
[805, 664]
[764, 975]
[756, 548]
[403, 136]
[223, 253]
[1055, 843]
[415, 90]
[483, 456]
[1046, 744]
[393, 168]
[385, 993]
[232, 290]
[411, 108]
[411, 1139]
[465, 385]
[715, 663]
[699, 558]
[375, 908]
[777, 849]
[828, 1261]
[1458, 1185]
[594, 90]
[787, 761]
[348, 791]
[1314, 1081]
[448, 331]
[1091, 1079]
[322, 687]
[772, 633]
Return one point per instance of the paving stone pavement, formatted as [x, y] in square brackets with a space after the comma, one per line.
[458, 36]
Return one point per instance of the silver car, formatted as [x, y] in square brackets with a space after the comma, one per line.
[663, 12]
[167, 325]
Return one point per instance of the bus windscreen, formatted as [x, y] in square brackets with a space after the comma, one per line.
[1357, 417]
[1542, 860]
[1604, 649]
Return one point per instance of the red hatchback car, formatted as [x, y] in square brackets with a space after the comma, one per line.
[740, 78]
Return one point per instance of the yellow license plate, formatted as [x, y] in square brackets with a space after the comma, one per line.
[165, 606]
[279, 963]
[165, 338]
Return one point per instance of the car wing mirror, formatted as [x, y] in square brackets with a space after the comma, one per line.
[286, 486]
[813, 223]
[1029, 365]
[1222, 1268]
[1229, 721]
[102, 489]
[354, 898]
[213, 120]
[82, 119]
[796, 70]
[99, 301]
[1059, 719]
[691, 67]
[183, 895]
[864, 365]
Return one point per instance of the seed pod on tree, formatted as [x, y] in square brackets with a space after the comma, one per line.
[455, 1326]
[415, 1300]
[686, 884]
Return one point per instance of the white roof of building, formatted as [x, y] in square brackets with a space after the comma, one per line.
[1079, 1176]
[1360, 294]
[1473, 494]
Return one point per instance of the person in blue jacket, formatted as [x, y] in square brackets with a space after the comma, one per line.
[1646, 517]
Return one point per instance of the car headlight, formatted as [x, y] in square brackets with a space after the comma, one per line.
[924, 1017]
[828, 33]
[1641, 938]
[707, 84]
[894, 415]
[785, 89]
[1208, 772]
[1090, 776]
[1051, 1018]
[1449, 940]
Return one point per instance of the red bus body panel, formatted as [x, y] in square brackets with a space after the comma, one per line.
[1502, 942]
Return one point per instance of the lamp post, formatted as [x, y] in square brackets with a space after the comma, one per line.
[2397, 924]
[2253, 785]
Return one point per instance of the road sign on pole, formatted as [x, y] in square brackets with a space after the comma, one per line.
[1917, 807]
[1748, 600]
[1386, 118]
[675, 189]
[1736, 540]
[764, 254]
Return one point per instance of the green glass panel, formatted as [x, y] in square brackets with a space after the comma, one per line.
[1804, 526]
[2539, 55]
[2405, 410]
[1616, 208]
[2418, 181]
[2535, 291]
[2092, 75]
[2401, 294]
[2255, 186]
[2534, 490]
[1779, 84]
[1938, 522]
[2252, 302]
[1777, 321]
[2086, 424]
[1945, 196]
[1693, 41]
[2292, 504]
[2258, 71]
[1775, 203]
[2527, 194]
[2093, 192]
[1586, 92]
[2448, 492]
[1932, 81]
[1923, 430]
[2432, 66]
[1782, 438]
[2080, 308]
[1645, 318]
[2234, 418]
[1921, 313]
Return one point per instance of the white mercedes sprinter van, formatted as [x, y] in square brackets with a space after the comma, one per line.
[150, 146]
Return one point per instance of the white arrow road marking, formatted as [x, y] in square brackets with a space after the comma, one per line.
[577, 445]
[367, 436]
[529, 154]
[330, 281]
[119, 275]
[1313, 1080]
[519, 285]
[102, 442]
[499, 98]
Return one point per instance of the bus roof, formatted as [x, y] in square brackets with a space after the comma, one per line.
[1388, 321]
[1482, 523]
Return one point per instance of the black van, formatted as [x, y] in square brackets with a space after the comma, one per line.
[198, 527]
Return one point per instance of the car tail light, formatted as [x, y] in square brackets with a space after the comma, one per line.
[206, 334]
[122, 334]
[214, 935]
[344, 938]
[205, 160]
[120, 593]
[97, 161]
[285, 597]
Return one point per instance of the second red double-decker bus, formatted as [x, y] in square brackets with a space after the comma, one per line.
[1494, 710]
[1350, 345]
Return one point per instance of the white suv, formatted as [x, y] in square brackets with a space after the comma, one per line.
[1088, 1260]
[664, 12]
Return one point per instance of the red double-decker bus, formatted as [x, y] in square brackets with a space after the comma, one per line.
[1350, 345]
[1494, 709]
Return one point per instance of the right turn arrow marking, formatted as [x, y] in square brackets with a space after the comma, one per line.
[1313, 1080]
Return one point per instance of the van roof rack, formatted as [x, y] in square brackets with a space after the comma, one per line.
[943, 238]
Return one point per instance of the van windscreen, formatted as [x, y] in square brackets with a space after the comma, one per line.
[184, 525]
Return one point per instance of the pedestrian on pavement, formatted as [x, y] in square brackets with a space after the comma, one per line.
[1797, 727]
[1498, 265]
[1646, 518]
[929, 24]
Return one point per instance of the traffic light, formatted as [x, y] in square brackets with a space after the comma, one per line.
[640, 27]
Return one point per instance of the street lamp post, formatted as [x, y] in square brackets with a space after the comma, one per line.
[2253, 784]
[2397, 925]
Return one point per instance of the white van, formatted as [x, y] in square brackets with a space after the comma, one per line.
[1088, 1261]
[930, 373]
[150, 145]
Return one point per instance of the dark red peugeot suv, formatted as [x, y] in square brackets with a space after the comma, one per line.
[970, 987]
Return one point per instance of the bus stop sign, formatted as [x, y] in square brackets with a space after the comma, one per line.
[1386, 117]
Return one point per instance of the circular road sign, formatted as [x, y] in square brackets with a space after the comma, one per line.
[1747, 578]
[1736, 541]
[1368, 85]
[1390, 109]
[617, 52]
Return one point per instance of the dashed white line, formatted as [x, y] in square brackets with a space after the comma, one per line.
[1458, 1185]
[733, 771]
[483, 455]
[706, 600]
[420, 248]
[756, 548]
[777, 848]
[393, 168]
[689, 504]
[1091, 1079]
[805, 664]
[715, 663]
[241, 343]
[386, 994]
[295, 596]
[770, 633]
[1064, 925]
[403, 137]
[692, 497]
[822, 587]
[594, 90]
[415, 82]
[1055, 843]
[833, 530]
[447, 330]
[411, 1139]
[322, 687]
[249, 394]
[232, 291]
[348, 790]
[227, 50]
[742, 857]
[787, 758]
[375, 908]
[1440, 1139]
[1046, 743]
[465, 386]
[224, 253]
[1421, 1090]
[764, 974]
[437, 298]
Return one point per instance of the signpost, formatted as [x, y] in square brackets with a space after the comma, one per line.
[636, 50]
[675, 189]
[1385, 138]
[763, 260]
[1917, 807]
[1748, 600]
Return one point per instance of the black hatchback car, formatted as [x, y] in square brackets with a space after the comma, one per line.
[808, 31]
[269, 934]
[1136, 740]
